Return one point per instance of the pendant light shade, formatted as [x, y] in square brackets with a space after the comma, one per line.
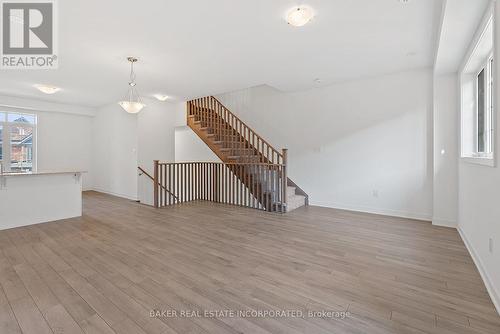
[132, 102]
[131, 107]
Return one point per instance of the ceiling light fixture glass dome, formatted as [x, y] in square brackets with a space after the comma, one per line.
[299, 16]
[47, 89]
[132, 102]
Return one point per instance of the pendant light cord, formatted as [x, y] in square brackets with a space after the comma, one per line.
[132, 91]
[132, 74]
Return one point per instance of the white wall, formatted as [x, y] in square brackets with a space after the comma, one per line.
[479, 209]
[189, 147]
[446, 150]
[38, 105]
[114, 159]
[64, 142]
[122, 142]
[156, 140]
[364, 145]
[106, 142]
[64, 135]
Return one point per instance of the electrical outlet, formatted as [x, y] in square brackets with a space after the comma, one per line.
[491, 245]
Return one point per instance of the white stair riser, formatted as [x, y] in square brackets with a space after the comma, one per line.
[295, 201]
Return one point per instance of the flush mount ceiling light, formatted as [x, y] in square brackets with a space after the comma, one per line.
[161, 97]
[132, 102]
[47, 89]
[299, 16]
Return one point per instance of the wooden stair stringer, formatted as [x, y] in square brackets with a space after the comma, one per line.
[215, 139]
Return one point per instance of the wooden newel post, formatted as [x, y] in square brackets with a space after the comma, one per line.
[285, 179]
[155, 183]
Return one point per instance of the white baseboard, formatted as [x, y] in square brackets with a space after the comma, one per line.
[115, 194]
[492, 291]
[377, 211]
[444, 222]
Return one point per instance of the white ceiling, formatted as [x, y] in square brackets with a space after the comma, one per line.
[191, 48]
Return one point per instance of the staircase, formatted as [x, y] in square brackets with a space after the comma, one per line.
[251, 158]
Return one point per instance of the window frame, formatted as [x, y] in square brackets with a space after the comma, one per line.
[489, 109]
[469, 114]
[6, 137]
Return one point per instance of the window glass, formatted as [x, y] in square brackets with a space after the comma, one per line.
[17, 141]
[490, 110]
[477, 98]
[481, 110]
[21, 118]
[21, 148]
[1, 143]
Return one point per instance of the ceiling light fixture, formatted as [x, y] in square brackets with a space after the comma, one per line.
[299, 16]
[47, 89]
[132, 103]
[161, 97]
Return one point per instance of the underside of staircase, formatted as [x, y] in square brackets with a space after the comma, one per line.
[238, 146]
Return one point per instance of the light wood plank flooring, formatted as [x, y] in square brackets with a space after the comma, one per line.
[105, 272]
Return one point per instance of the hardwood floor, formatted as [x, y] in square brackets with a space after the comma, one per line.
[105, 273]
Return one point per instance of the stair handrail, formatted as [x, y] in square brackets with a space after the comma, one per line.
[268, 151]
[253, 185]
[249, 128]
[144, 172]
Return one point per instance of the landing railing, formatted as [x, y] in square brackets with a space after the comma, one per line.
[142, 171]
[255, 185]
[229, 128]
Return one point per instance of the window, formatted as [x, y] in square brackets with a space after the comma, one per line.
[484, 102]
[17, 141]
[477, 98]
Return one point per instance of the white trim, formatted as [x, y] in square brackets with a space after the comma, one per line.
[376, 211]
[489, 15]
[29, 105]
[7, 140]
[486, 68]
[488, 18]
[136, 198]
[494, 295]
[444, 222]
[440, 23]
[490, 162]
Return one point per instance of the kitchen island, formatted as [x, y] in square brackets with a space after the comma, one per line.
[39, 197]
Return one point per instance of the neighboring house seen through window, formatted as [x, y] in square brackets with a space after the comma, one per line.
[17, 141]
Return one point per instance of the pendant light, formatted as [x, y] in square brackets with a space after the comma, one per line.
[132, 102]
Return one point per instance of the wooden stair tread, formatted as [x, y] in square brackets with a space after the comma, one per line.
[231, 145]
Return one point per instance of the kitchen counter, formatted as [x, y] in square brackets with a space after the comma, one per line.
[39, 197]
[40, 173]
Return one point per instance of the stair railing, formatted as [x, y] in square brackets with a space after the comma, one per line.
[142, 171]
[254, 185]
[230, 128]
